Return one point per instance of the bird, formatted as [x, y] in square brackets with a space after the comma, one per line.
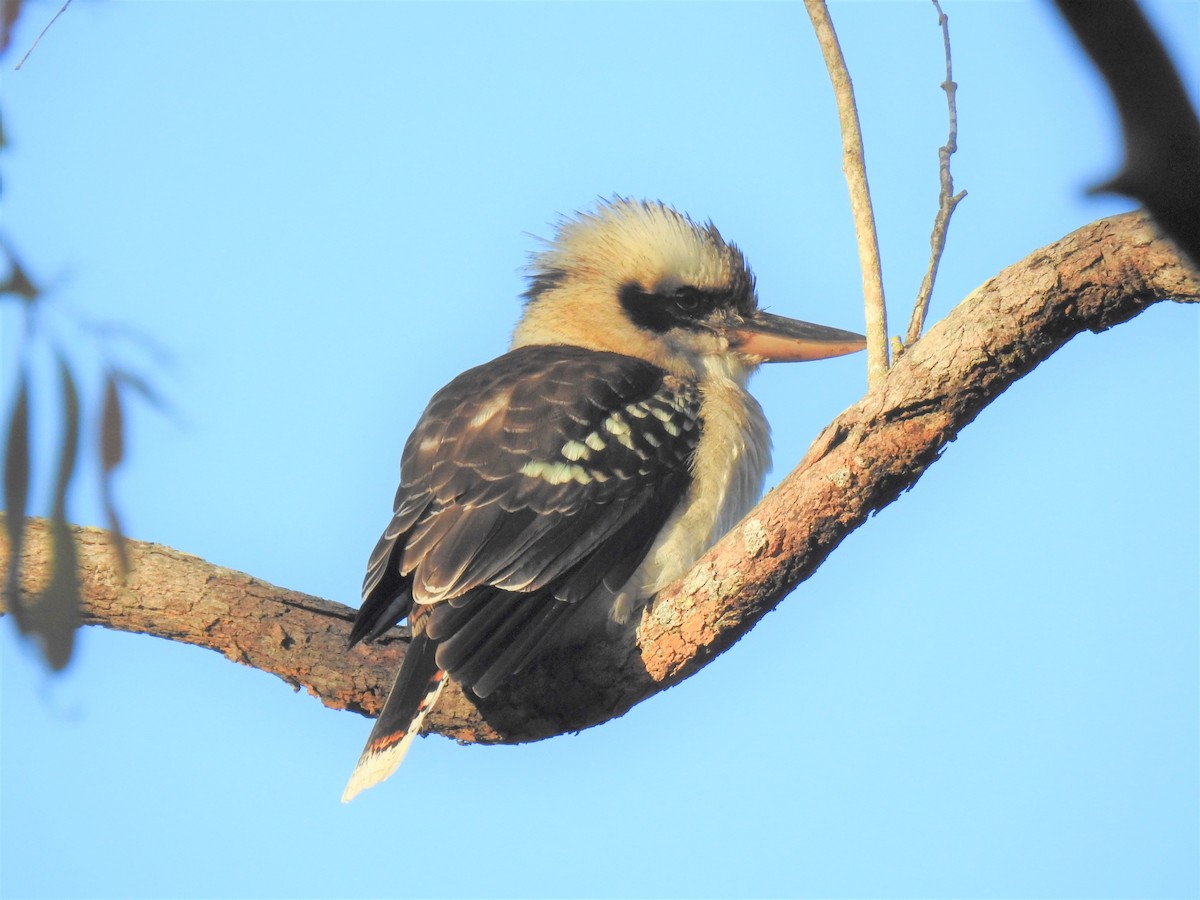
[548, 494]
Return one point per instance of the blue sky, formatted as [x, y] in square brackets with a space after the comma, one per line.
[321, 211]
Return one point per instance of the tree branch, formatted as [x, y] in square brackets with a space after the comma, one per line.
[947, 200]
[1160, 129]
[854, 166]
[1096, 277]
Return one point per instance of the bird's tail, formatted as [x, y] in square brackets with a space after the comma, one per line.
[418, 684]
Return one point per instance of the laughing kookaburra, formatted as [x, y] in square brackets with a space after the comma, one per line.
[570, 479]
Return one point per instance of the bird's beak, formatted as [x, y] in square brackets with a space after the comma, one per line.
[779, 339]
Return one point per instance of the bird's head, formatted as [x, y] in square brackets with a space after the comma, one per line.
[639, 278]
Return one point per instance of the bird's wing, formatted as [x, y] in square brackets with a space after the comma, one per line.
[532, 485]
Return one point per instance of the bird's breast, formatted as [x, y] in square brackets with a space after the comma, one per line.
[728, 468]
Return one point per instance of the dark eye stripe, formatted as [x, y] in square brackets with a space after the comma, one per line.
[694, 302]
[684, 307]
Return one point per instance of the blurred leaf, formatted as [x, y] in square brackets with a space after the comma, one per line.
[18, 281]
[142, 387]
[70, 445]
[131, 334]
[112, 452]
[57, 611]
[112, 440]
[16, 494]
[9, 14]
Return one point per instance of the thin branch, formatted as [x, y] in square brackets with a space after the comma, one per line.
[1097, 277]
[42, 34]
[947, 199]
[855, 169]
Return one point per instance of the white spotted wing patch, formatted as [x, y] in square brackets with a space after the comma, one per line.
[560, 473]
[534, 483]
[640, 431]
[574, 450]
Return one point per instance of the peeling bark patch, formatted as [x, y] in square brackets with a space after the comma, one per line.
[666, 616]
[754, 537]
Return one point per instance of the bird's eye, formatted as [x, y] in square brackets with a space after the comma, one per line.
[688, 301]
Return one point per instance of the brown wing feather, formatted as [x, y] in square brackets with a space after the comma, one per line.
[531, 485]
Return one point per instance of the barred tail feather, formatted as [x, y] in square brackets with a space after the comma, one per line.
[418, 685]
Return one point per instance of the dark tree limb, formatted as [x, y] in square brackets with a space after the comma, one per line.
[1095, 278]
[1160, 129]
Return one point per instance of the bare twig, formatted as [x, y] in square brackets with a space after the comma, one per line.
[854, 167]
[42, 34]
[947, 199]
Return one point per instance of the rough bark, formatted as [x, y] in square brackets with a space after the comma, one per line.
[1097, 277]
